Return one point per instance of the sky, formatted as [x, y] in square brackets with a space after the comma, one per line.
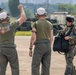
[74, 1]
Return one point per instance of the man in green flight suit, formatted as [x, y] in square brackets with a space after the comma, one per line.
[8, 51]
[70, 68]
[42, 37]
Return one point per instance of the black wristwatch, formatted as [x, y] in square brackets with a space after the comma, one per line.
[30, 48]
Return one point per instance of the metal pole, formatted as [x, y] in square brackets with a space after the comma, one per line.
[47, 8]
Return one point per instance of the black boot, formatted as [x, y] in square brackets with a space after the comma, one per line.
[73, 71]
[68, 71]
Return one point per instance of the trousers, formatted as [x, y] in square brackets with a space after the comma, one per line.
[70, 68]
[9, 54]
[42, 54]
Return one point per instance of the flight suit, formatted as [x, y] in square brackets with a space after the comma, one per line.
[8, 51]
[70, 68]
[42, 50]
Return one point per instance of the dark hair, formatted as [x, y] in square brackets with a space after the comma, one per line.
[7, 19]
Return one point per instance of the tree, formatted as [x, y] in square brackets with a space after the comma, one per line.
[65, 7]
[74, 9]
[29, 14]
[13, 4]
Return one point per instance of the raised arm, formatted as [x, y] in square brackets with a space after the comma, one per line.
[22, 15]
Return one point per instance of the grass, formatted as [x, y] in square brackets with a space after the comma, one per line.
[23, 33]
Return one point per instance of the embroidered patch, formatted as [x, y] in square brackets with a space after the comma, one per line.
[5, 29]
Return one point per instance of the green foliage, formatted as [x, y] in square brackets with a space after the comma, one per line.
[13, 4]
[23, 33]
[28, 13]
[74, 10]
[66, 8]
[30, 8]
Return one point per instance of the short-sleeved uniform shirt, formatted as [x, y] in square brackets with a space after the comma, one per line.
[7, 39]
[43, 29]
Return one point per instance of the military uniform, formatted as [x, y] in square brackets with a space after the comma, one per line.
[42, 50]
[70, 68]
[8, 51]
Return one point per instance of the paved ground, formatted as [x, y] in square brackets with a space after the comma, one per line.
[57, 63]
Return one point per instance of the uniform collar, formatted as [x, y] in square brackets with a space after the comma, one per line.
[71, 25]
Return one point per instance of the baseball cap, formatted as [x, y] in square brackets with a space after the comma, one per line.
[3, 15]
[41, 11]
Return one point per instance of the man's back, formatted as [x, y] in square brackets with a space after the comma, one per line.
[43, 28]
[8, 37]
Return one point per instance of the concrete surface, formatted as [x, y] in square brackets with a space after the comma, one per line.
[57, 60]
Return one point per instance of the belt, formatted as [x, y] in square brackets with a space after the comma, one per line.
[42, 42]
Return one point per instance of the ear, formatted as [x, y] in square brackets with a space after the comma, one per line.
[45, 14]
[35, 14]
